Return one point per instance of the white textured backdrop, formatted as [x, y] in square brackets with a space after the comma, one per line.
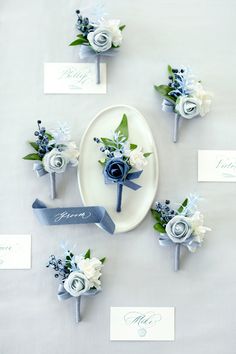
[200, 33]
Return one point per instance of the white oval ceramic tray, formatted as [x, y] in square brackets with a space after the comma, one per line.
[93, 190]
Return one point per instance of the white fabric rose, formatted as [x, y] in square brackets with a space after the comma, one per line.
[205, 98]
[113, 27]
[72, 153]
[196, 221]
[188, 107]
[100, 40]
[137, 159]
[76, 284]
[91, 267]
[179, 229]
[55, 161]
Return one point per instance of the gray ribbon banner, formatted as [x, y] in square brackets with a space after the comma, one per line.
[74, 215]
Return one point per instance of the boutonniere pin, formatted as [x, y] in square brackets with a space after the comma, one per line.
[98, 37]
[123, 162]
[80, 276]
[53, 152]
[185, 96]
[181, 226]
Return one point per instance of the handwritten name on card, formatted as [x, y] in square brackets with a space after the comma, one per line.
[73, 78]
[217, 165]
[142, 323]
[15, 251]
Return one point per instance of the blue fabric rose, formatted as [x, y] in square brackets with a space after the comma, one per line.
[115, 170]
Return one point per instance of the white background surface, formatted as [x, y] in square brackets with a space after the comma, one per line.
[138, 272]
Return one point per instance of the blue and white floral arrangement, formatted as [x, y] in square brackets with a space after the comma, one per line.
[123, 161]
[180, 226]
[185, 96]
[80, 276]
[97, 37]
[53, 152]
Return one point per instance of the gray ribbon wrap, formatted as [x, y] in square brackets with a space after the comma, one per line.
[39, 169]
[190, 244]
[87, 52]
[62, 294]
[73, 215]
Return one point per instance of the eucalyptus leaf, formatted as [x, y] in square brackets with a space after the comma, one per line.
[123, 127]
[32, 157]
[87, 254]
[159, 228]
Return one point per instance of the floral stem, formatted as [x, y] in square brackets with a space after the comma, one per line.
[53, 184]
[177, 256]
[98, 79]
[119, 197]
[176, 127]
[77, 309]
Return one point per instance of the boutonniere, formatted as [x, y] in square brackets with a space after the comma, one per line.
[80, 276]
[53, 152]
[97, 37]
[185, 96]
[123, 161]
[181, 226]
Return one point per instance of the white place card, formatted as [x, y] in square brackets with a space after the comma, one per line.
[217, 165]
[15, 251]
[142, 323]
[73, 78]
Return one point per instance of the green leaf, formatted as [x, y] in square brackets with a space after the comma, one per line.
[163, 89]
[103, 260]
[78, 41]
[159, 228]
[183, 205]
[156, 215]
[32, 157]
[87, 254]
[123, 127]
[34, 145]
[50, 137]
[108, 142]
[122, 27]
[133, 146]
[146, 154]
[102, 162]
[170, 72]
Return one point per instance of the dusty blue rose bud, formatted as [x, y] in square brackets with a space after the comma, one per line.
[178, 229]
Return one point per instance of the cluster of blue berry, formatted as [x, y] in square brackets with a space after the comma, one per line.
[177, 83]
[165, 212]
[59, 266]
[42, 141]
[107, 149]
[83, 24]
